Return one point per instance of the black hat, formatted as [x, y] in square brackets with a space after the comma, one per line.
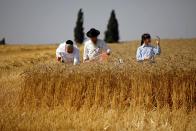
[69, 42]
[93, 33]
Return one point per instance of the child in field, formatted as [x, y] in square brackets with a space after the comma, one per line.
[68, 53]
[146, 51]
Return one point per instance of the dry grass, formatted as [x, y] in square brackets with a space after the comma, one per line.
[36, 93]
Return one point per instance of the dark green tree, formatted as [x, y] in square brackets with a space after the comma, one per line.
[2, 42]
[112, 32]
[79, 30]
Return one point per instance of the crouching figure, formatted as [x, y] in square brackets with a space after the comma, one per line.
[68, 53]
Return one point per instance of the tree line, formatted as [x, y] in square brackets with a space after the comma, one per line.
[111, 33]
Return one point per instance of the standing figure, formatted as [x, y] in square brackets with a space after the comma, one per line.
[146, 51]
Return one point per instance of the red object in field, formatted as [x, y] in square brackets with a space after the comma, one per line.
[100, 58]
[103, 57]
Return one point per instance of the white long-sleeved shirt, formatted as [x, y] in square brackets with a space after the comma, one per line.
[92, 50]
[74, 57]
[147, 51]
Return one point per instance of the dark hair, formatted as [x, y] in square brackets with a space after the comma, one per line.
[69, 42]
[144, 37]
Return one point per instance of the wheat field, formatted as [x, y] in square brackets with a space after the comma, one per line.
[37, 93]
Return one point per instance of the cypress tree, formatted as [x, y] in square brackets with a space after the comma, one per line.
[79, 30]
[2, 42]
[112, 32]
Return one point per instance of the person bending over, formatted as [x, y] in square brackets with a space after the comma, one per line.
[67, 52]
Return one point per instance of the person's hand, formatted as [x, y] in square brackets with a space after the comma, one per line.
[108, 52]
[147, 58]
[158, 40]
[58, 58]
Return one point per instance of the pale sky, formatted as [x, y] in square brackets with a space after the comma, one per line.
[52, 21]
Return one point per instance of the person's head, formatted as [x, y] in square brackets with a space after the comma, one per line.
[146, 39]
[70, 47]
[93, 34]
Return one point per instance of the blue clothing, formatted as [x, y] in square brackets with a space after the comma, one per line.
[147, 51]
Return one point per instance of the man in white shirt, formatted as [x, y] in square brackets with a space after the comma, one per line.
[94, 46]
[67, 52]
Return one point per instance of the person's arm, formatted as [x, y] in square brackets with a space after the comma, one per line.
[106, 48]
[77, 58]
[58, 58]
[58, 55]
[157, 49]
[85, 55]
[139, 55]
